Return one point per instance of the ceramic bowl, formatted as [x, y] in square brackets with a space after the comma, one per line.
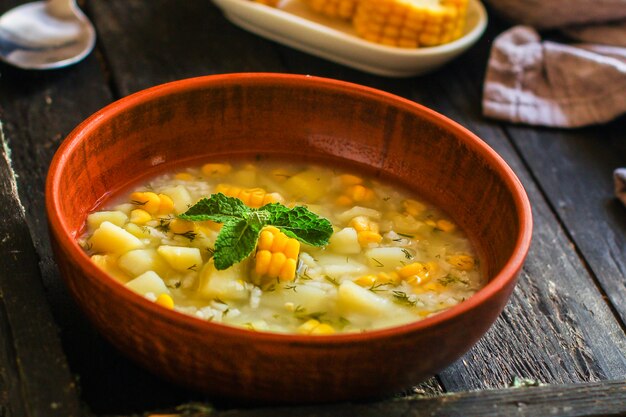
[295, 117]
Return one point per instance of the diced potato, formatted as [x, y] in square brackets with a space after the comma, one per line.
[118, 218]
[308, 297]
[308, 186]
[225, 285]
[138, 261]
[108, 263]
[354, 298]
[345, 241]
[109, 238]
[387, 257]
[181, 198]
[125, 208]
[181, 258]
[356, 211]
[147, 282]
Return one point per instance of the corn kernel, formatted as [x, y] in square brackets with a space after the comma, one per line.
[308, 326]
[184, 176]
[463, 262]
[166, 204]
[322, 329]
[360, 193]
[344, 200]
[288, 270]
[367, 237]
[165, 300]
[148, 201]
[211, 170]
[180, 226]
[412, 269]
[348, 179]
[139, 216]
[445, 225]
[263, 259]
[276, 264]
[413, 207]
[366, 281]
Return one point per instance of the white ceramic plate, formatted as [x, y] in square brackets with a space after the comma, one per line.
[293, 24]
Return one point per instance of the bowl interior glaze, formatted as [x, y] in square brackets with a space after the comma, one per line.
[295, 117]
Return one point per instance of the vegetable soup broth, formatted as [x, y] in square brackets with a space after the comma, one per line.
[391, 259]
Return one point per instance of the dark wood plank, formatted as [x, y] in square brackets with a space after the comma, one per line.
[591, 399]
[557, 327]
[574, 169]
[34, 376]
[149, 43]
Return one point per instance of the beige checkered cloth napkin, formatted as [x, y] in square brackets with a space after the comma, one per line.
[554, 84]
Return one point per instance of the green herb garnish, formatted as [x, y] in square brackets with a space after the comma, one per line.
[242, 225]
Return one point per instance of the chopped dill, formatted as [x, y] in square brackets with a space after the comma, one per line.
[451, 279]
[176, 285]
[189, 235]
[193, 267]
[405, 235]
[331, 280]
[138, 203]
[386, 198]
[377, 286]
[87, 246]
[211, 251]
[407, 254]
[164, 225]
[379, 264]
[401, 297]
[291, 287]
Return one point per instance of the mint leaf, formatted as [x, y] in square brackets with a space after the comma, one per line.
[219, 208]
[300, 223]
[236, 241]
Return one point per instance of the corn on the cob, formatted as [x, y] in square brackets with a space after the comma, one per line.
[276, 255]
[251, 197]
[343, 9]
[410, 23]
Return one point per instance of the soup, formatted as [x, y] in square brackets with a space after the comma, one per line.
[292, 248]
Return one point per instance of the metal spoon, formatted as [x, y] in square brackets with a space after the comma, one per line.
[45, 35]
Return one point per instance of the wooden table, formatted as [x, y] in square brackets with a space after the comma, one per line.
[564, 327]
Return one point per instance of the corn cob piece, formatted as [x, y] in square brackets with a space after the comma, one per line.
[251, 197]
[343, 9]
[410, 23]
[277, 255]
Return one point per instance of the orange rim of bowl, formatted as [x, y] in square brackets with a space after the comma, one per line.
[66, 240]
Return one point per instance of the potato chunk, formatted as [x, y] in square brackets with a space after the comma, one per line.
[308, 186]
[118, 218]
[180, 197]
[181, 258]
[138, 261]
[353, 298]
[109, 238]
[148, 282]
[225, 285]
[345, 241]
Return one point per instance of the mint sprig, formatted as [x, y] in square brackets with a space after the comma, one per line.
[242, 225]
